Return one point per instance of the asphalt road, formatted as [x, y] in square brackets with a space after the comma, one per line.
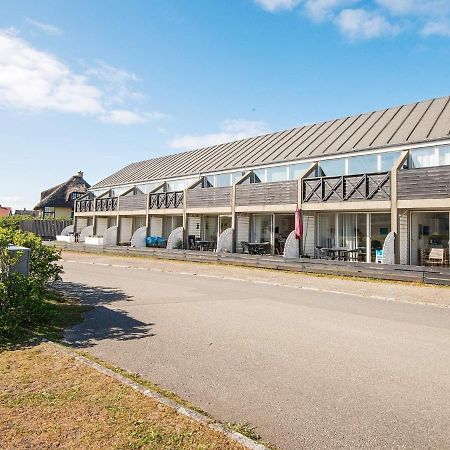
[310, 368]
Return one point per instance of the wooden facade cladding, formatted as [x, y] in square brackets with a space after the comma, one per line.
[429, 182]
[209, 197]
[274, 193]
[163, 200]
[373, 186]
[133, 202]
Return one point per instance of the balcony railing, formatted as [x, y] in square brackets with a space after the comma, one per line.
[166, 200]
[84, 205]
[368, 186]
[106, 204]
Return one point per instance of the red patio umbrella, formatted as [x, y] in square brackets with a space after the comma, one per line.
[298, 224]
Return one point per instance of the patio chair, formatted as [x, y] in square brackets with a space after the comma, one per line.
[191, 242]
[245, 247]
[435, 257]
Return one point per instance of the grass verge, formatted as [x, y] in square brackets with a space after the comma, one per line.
[51, 400]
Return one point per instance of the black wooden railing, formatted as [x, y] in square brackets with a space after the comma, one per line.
[106, 204]
[368, 186]
[84, 205]
[166, 200]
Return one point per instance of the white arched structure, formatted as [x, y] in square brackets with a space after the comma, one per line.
[175, 236]
[110, 236]
[66, 235]
[292, 246]
[225, 241]
[139, 238]
[86, 232]
[389, 249]
[67, 230]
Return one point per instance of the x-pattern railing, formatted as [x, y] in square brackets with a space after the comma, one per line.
[84, 205]
[166, 200]
[348, 187]
[106, 204]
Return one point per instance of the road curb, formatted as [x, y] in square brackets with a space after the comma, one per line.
[194, 415]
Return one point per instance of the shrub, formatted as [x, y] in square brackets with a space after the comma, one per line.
[22, 299]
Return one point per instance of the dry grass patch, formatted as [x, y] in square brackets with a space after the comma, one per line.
[50, 400]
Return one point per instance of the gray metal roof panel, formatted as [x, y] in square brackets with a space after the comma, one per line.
[423, 121]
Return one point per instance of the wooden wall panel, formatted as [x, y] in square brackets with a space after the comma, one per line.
[277, 193]
[429, 182]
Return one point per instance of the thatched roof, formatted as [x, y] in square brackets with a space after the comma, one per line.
[24, 212]
[60, 195]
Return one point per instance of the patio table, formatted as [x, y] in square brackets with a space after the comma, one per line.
[203, 245]
[258, 248]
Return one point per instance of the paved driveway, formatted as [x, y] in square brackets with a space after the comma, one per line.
[310, 366]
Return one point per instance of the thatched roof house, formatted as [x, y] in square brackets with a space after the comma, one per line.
[58, 201]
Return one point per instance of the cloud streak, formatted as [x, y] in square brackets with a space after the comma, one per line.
[43, 27]
[35, 81]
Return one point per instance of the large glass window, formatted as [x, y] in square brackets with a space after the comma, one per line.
[223, 180]
[332, 167]
[353, 234]
[179, 185]
[429, 238]
[326, 235]
[259, 176]
[236, 176]
[388, 160]
[261, 228]
[444, 156]
[380, 226]
[277, 174]
[296, 170]
[362, 164]
[424, 157]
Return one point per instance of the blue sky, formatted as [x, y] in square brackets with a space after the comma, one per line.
[93, 86]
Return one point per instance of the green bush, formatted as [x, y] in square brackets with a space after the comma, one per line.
[22, 299]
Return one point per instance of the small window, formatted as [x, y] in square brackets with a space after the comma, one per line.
[75, 195]
[277, 174]
[49, 211]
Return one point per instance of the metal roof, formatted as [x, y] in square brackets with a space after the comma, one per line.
[417, 122]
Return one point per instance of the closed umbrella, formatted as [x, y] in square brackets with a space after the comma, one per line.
[298, 224]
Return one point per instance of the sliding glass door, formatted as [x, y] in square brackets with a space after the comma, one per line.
[359, 235]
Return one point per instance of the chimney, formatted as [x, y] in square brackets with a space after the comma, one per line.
[79, 174]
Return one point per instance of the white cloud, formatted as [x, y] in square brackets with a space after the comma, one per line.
[320, 10]
[277, 5]
[229, 130]
[44, 27]
[126, 117]
[368, 19]
[362, 24]
[437, 28]
[33, 80]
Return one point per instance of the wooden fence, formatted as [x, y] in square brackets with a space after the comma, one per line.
[46, 229]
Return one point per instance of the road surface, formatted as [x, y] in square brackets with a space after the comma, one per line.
[311, 366]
